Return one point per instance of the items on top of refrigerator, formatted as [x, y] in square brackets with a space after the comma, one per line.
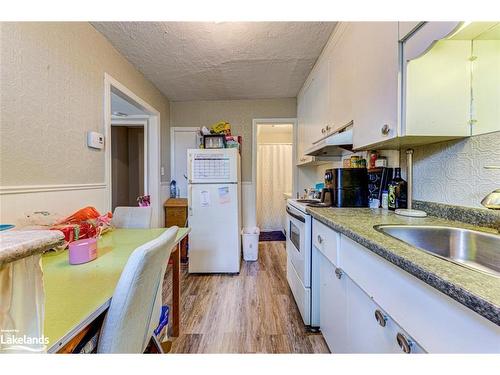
[214, 141]
[221, 127]
[233, 141]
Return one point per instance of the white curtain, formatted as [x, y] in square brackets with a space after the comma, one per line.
[274, 177]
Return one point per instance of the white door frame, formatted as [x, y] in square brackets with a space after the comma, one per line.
[144, 123]
[173, 129]
[153, 144]
[271, 121]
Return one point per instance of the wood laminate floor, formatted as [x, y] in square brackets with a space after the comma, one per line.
[253, 312]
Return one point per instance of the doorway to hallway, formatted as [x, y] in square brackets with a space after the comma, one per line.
[273, 177]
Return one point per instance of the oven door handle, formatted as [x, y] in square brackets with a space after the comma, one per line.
[300, 218]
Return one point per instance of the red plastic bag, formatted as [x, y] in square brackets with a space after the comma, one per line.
[83, 214]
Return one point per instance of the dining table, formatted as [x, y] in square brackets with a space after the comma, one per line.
[76, 295]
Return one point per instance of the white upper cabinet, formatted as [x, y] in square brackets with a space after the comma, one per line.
[340, 69]
[392, 79]
[375, 82]
[312, 110]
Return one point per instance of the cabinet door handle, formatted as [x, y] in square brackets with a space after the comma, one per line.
[381, 318]
[320, 239]
[338, 273]
[385, 129]
[323, 130]
[404, 343]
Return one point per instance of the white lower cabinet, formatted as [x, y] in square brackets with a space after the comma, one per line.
[369, 305]
[332, 307]
[371, 329]
[351, 322]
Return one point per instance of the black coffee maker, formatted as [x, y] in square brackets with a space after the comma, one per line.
[327, 194]
[350, 187]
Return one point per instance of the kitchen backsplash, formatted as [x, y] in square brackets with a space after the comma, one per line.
[453, 172]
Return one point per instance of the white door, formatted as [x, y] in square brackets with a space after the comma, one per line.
[181, 140]
[214, 241]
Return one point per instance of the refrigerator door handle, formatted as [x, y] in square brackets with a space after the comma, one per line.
[190, 168]
[190, 200]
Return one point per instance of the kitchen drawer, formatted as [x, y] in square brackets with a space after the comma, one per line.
[326, 240]
[371, 329]
[437, 322]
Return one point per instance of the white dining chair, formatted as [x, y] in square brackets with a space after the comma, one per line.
[134, 312]
[132, 217]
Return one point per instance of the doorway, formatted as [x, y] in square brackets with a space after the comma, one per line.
[124, 108]
[129, 162]
[274, 174]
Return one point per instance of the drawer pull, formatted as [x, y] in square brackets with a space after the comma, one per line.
[404, 343]
[320, 239]
[381, 318]
[339, 273]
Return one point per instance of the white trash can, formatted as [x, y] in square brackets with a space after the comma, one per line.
[250, 239]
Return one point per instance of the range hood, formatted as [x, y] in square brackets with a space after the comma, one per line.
[334, 144]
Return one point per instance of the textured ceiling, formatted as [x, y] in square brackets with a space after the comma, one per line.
[228, 60]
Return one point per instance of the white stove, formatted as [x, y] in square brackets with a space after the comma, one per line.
[301, 204]
[300, 262]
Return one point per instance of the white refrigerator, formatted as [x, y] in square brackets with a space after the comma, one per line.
[214, 210]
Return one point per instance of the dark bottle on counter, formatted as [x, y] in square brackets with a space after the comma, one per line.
[397, 191]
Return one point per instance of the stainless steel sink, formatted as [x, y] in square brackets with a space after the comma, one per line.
[473, 249]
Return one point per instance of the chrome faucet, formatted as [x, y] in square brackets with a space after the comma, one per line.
[492, 200]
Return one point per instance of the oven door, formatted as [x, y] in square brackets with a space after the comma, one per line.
[297, 243]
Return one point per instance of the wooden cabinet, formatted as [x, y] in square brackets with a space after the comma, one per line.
[176, 214]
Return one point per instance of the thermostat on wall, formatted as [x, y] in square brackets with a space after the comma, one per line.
[95, 140]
